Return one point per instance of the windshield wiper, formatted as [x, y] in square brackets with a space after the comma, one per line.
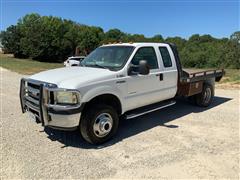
[96, 65]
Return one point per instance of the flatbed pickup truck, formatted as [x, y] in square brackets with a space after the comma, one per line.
[114, 81]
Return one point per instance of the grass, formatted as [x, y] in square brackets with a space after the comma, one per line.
[231, 76]
[25, 66]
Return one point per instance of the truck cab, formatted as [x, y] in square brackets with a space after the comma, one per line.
[115, 80]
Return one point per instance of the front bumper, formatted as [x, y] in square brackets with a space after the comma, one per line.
[38, 104]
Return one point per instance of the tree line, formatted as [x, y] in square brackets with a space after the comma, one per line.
[53, 39]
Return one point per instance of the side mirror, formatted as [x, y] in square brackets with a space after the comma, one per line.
[143, 68]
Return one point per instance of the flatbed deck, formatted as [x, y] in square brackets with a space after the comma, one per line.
[194, 75]
[191, 81]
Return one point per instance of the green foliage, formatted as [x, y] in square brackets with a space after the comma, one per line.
[235, 36]
[90, 38]
[114, 35]
[178, 41]
[48, 38]
[11, 40]
[208, 52]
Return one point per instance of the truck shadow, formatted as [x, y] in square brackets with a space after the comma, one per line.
[128, 128]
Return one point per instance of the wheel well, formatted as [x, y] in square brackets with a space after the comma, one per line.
[107, 99]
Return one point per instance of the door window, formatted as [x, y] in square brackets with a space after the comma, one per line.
[148, 54]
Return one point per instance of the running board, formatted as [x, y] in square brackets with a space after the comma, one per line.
[148, 109]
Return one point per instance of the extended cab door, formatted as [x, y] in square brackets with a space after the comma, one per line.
[168, 69]
[146, 89]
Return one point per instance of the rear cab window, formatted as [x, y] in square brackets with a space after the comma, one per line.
[166, 58]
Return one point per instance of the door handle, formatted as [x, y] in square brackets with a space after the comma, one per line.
[160, 76]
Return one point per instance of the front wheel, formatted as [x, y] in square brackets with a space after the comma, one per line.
[205, 98]
[99, 124]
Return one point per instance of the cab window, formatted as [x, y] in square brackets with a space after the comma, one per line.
[167, 62]
[148, 54]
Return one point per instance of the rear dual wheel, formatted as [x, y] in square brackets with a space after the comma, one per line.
[204, 98]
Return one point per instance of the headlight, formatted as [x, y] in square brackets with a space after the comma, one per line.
[67, 97]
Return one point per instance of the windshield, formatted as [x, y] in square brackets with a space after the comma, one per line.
[110, 57]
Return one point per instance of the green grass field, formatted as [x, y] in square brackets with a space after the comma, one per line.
[231, 76]
[27, 66]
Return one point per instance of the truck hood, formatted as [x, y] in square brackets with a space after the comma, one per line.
[73, 77]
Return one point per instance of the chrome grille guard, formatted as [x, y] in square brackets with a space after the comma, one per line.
[38, 105]
[38, 99]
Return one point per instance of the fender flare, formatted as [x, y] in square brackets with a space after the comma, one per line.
[103, 90]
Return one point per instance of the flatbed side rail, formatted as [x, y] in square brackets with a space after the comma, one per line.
[203, 75]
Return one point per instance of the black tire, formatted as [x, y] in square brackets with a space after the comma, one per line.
[89, 119]
[205, 98]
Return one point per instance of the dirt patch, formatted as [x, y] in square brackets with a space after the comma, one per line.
[227, 86]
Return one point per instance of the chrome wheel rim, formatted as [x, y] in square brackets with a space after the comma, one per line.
[103, 125]
[207, 95]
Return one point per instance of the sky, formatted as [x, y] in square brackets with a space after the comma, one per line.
[219, 18]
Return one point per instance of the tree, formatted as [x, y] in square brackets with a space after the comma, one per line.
[178, 41]
[235, 37]
[157, 38]
[11, 40]
[44, 37]
[31, 30]
[89, 38]
[113, 35]
[137, 38]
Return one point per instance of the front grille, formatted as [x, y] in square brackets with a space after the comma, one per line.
[32, 95]
[33, 90]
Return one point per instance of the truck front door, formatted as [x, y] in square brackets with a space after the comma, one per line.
[146, 89]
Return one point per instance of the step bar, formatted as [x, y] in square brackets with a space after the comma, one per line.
[148, 109]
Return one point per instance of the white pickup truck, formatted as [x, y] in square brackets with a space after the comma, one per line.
[73, 61]
[116, 80]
